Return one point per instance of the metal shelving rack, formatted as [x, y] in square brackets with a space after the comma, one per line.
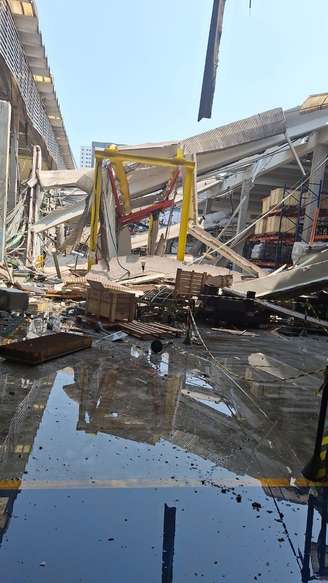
[296, 216]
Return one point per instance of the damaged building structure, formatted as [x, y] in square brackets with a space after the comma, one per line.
[163, 340]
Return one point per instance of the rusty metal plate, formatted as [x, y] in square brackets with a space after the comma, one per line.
[44, 348]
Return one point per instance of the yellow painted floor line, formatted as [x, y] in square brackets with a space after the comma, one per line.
[160, 483]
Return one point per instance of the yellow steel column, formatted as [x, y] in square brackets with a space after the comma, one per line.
[95, 211]
[194, 203]
[124, 185]
[115, 157]
[185, 212]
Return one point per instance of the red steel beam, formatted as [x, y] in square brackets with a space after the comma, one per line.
[143, 213]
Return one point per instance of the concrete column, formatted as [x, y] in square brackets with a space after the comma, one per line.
[243, 211]
[60, 236]
[13, 162]
[38, 196]
[124, 242]
[5, 119]
[316, 177]
[153, 233]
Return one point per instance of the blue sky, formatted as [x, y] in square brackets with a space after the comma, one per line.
[130, 71]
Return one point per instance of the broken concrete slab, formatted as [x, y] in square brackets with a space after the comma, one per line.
[310, 274]
[131, 266]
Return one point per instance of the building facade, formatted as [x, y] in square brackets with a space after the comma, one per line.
[86, 157]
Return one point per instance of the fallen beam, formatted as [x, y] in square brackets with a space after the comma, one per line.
[292, 313]
[59, 216]
[279, 309]
[225, 251]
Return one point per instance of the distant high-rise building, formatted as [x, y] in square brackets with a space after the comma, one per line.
[98, 146]
[86, 157]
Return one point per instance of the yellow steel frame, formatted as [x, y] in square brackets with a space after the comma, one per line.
[117, 158]
[95, 211]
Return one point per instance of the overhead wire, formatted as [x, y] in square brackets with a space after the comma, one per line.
[233, 376]
[223, 368]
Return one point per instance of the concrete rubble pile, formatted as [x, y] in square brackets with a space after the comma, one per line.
[108, 246]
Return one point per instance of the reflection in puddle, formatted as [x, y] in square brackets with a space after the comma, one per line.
[278, 369]
[160, 362]
[211, 401]
[195, 379]
[131, 432]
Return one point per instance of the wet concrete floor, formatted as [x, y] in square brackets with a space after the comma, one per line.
[122, 466]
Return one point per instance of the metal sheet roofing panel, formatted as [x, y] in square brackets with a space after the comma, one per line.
[256, 127]
[314, 102]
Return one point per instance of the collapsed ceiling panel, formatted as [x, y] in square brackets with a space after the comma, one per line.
[256, 127]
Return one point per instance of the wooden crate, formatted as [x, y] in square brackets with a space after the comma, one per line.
[109, 304]
[189, 283]
[285, 225]
[288, 225]
[272, 224]
[278, 194]
[266, 204]
[260, 227]
[219, 281]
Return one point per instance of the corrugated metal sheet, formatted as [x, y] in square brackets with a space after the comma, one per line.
[256, 127]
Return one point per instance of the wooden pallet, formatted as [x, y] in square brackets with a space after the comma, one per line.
[189, 283]
[73, 281]
[148, 331]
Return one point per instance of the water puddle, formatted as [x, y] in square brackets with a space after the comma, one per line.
[99, 443]
[210, 401]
